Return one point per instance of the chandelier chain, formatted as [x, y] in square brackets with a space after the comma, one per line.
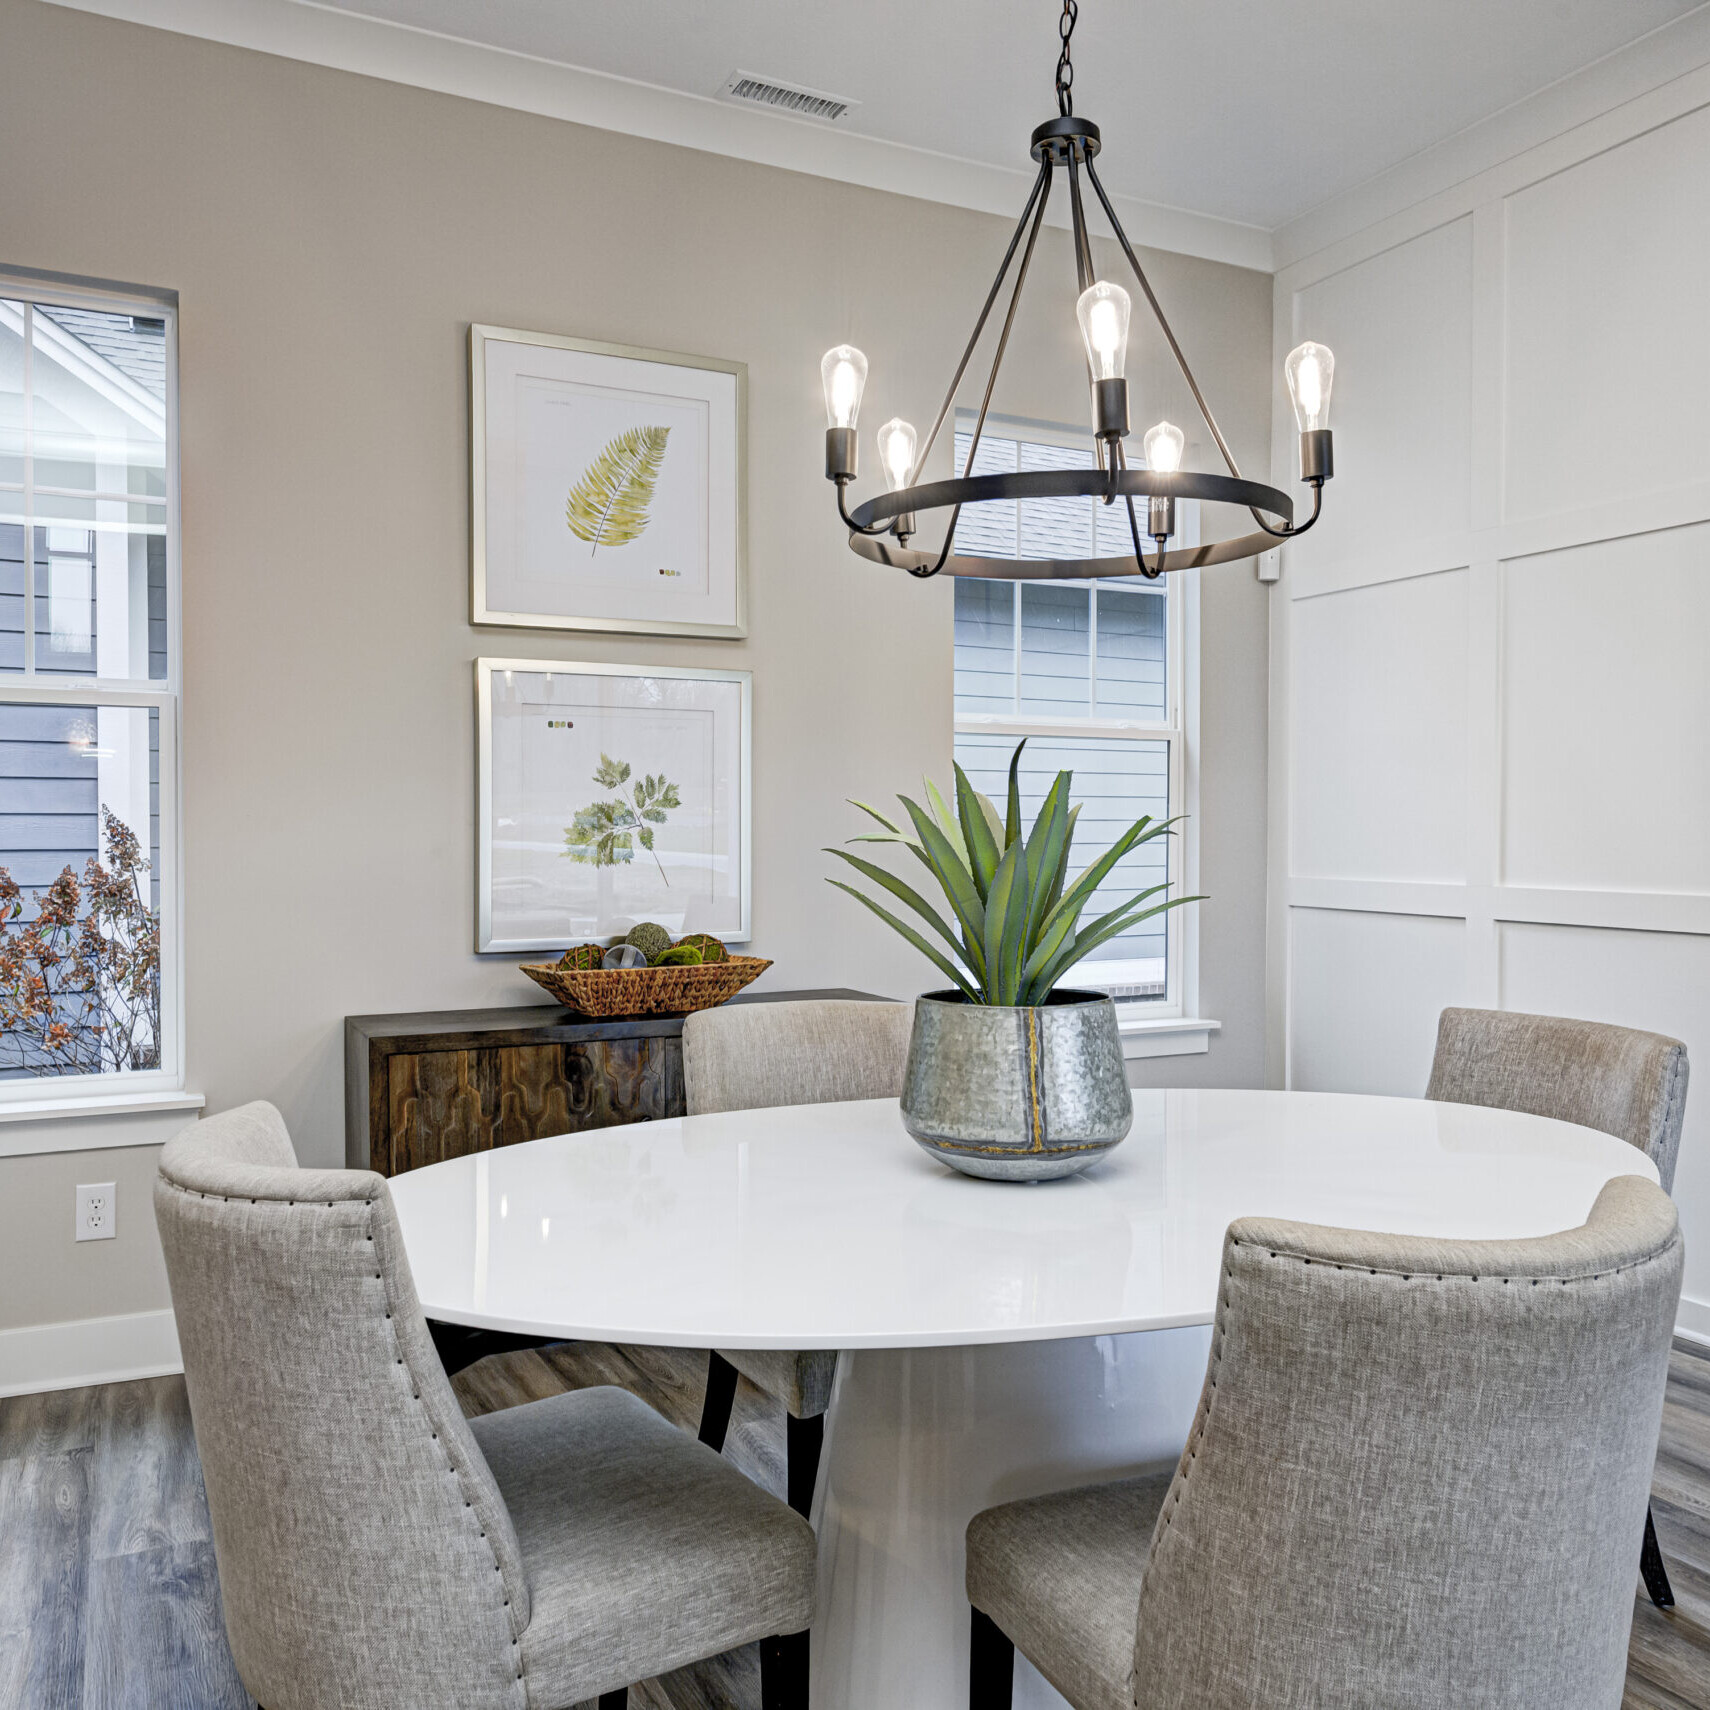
[1065, 66]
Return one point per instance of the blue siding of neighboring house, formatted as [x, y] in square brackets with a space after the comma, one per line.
[48, 819]
[49, 793]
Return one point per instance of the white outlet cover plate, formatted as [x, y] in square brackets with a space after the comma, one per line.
[97, 1211]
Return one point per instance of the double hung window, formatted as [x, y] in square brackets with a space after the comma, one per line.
[1091, 673]
[89, 958]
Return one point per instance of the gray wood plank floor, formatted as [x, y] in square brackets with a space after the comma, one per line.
[109, 1601]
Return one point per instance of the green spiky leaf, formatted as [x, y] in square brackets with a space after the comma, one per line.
[903, 893]
[874, 813]
[957, 884]
[1012, 821]
[977, 835]
[945, 820]
[951, 972]
[1006, 916]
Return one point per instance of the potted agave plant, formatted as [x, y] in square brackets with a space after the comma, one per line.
[1009, 1076]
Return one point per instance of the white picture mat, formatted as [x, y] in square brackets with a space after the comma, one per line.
[544, 729]
[544, 412]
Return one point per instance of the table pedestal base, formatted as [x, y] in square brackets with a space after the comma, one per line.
[919, 1441]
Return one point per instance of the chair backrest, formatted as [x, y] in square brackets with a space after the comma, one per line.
[365, 1554]
[1419, 1470]
[752, 1056]
[1617, 1080]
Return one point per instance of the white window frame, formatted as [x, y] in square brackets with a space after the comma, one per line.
[1151, 1026]
[137, 1090]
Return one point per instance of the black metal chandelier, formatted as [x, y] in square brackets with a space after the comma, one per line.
[881, 528]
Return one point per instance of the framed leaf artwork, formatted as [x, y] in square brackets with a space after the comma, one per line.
[607, 486]
[609, 795]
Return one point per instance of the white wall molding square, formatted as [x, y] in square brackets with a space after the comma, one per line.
[1556, 712]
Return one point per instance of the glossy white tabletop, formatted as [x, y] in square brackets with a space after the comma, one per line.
[825, 1226]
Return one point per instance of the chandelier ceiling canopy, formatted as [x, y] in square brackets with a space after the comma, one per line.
[882, 528]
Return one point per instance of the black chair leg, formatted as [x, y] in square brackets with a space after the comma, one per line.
[618, 1700]
[721, 1394]
[1651, 1569]
[991, 1666]
[459, 1346]
[803, 1440]
[784, 1672]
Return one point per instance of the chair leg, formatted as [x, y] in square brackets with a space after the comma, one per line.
[991, 1666]
[1651, 1569]
[721, 1394]
[803, 1440]
[618, 1700]
[784, 1672]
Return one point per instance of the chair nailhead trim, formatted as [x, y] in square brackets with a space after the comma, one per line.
[451, 1469]
[1479, 1277]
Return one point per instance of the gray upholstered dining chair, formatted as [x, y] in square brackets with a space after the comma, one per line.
[1416, 1479]
[753, 1057]
[1618, 1080]
[375, 1550]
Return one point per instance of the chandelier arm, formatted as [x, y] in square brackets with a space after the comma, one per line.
[1084, 270]
[1134, 527]
[1170, 337]
[980, 324]
[1295, 529]
[1163, 322]
[997, 363]
[850, 522]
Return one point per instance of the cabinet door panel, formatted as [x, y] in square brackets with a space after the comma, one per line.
[446, 1104]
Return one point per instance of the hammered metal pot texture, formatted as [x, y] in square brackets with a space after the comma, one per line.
[1016, 1094]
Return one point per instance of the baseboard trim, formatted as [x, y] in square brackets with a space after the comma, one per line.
[1693, 1319]
[86, 1351]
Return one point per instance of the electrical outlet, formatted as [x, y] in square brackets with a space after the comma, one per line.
[97, 1211]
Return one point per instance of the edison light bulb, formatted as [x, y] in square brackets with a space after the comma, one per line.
[1309, 370]
[1103, 314]
[1164, 446]
[843, 369]
[896, 452]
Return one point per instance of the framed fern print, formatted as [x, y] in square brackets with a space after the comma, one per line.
[609, 795]
[607, 486]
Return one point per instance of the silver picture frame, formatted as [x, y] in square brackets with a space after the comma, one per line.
[486, 669]
[482, 612]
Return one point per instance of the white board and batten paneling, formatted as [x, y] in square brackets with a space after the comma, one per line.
[1490, 742]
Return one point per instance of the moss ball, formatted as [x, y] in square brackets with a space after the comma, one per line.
[711, 950]
[649, 938]
[678, 956]
[583, 956]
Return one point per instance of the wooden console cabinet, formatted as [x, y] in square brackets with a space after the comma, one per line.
[419, 1088]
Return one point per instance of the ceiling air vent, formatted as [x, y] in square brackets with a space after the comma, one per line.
[755, 91]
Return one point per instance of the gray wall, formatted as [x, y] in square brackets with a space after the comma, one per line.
[331, 238]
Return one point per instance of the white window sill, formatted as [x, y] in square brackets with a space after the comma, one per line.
[141, 1117]
[1173, 1036]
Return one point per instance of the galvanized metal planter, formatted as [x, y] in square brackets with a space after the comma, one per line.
[1016, 1094]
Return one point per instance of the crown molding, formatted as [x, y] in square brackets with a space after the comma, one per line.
[399, 53]
[1672, 51]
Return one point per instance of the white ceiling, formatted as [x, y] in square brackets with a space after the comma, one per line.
[1248, 110]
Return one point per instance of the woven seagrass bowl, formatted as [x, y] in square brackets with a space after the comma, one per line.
[647, 991]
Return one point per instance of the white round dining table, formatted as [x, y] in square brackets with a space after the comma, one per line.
[996, 1340]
